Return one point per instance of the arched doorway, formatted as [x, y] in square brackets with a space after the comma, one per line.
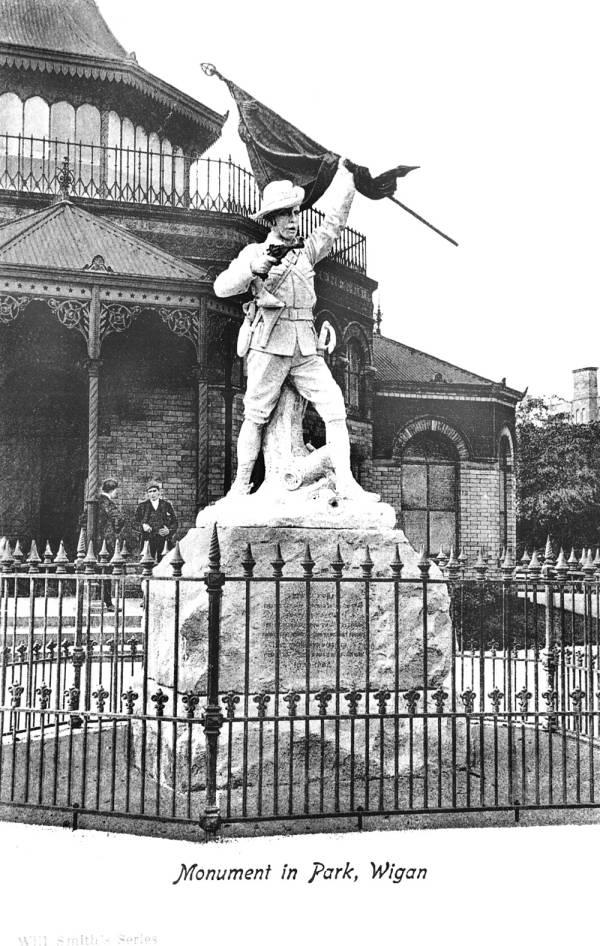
[430, 492]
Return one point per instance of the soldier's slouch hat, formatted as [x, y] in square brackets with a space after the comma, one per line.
[279, 195]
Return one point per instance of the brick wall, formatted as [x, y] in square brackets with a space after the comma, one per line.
[148, 416]
[385, 480]
[216, 443]
[479, 508]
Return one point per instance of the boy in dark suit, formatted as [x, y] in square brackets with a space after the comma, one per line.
[110, 524]
[156, 520]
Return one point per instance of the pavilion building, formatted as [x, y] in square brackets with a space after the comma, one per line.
[116, 358]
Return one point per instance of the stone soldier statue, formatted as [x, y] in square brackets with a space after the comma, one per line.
[279, 328]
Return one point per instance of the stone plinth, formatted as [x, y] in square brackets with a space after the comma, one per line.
[299, 648]
[297, 633]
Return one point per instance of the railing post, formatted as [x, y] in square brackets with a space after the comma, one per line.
[549, 661]
[212, 719]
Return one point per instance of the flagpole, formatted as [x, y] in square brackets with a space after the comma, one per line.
[210, 70]
[422, 219]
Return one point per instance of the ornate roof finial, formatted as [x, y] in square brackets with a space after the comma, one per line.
[65, 178]
[378, 318]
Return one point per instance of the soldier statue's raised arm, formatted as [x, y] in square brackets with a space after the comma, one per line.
[279, 331]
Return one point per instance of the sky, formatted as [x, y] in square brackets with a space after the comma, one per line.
[498, 105]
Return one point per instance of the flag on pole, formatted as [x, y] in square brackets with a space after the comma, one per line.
[279, 151]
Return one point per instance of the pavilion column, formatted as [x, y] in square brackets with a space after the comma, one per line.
[93, 367]
[104, 123]
[201, 376]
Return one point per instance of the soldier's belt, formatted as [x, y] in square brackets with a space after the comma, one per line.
[296, 315]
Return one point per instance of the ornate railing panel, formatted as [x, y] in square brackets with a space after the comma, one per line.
[157, 179]
[97, 714]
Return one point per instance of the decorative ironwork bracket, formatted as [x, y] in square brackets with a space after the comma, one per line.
[182, 322]
[11, 307]
[116, 317]
[72, 314]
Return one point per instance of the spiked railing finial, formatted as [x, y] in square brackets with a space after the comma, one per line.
[534, 569]
[117, 561]
[7, 558]
[80, 553]
[508, 565]
[588, 566]
[480, 566]
[423, 563]
[48, 553]
[366, 565]
[214, 552]
[33, 559]
[308, 562]
[573, 563]
[397, 564]
[177, 561]
[561, 568]
[147, 560]
[61, 559]
[90, 560]
[338, 564]
[277, 563]
[453, 566]
[248, 561]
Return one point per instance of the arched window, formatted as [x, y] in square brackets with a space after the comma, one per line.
[429, 498]
[178, 177]
[167, 172]
[354, 376]
[88, 125]
[62, 122]
[505, 492]
[86, 160]
[141, 163]
[36, 120]
[155, 168]
[11, 114]
[11, 125]
[37, 163]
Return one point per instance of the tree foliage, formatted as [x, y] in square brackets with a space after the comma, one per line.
[558, 478]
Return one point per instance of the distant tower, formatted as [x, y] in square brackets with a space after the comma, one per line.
[584, 408]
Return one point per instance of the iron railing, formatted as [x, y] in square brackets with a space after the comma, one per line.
[269, 698]
[152, 178]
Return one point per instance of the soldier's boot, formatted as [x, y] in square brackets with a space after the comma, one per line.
[248, 448]
[339, 448]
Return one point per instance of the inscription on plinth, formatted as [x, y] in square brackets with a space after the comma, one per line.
[304, 632]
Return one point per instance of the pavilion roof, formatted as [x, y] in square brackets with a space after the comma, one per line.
[71, 37]
[67, 26]
[400, 366]
[65, 237]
